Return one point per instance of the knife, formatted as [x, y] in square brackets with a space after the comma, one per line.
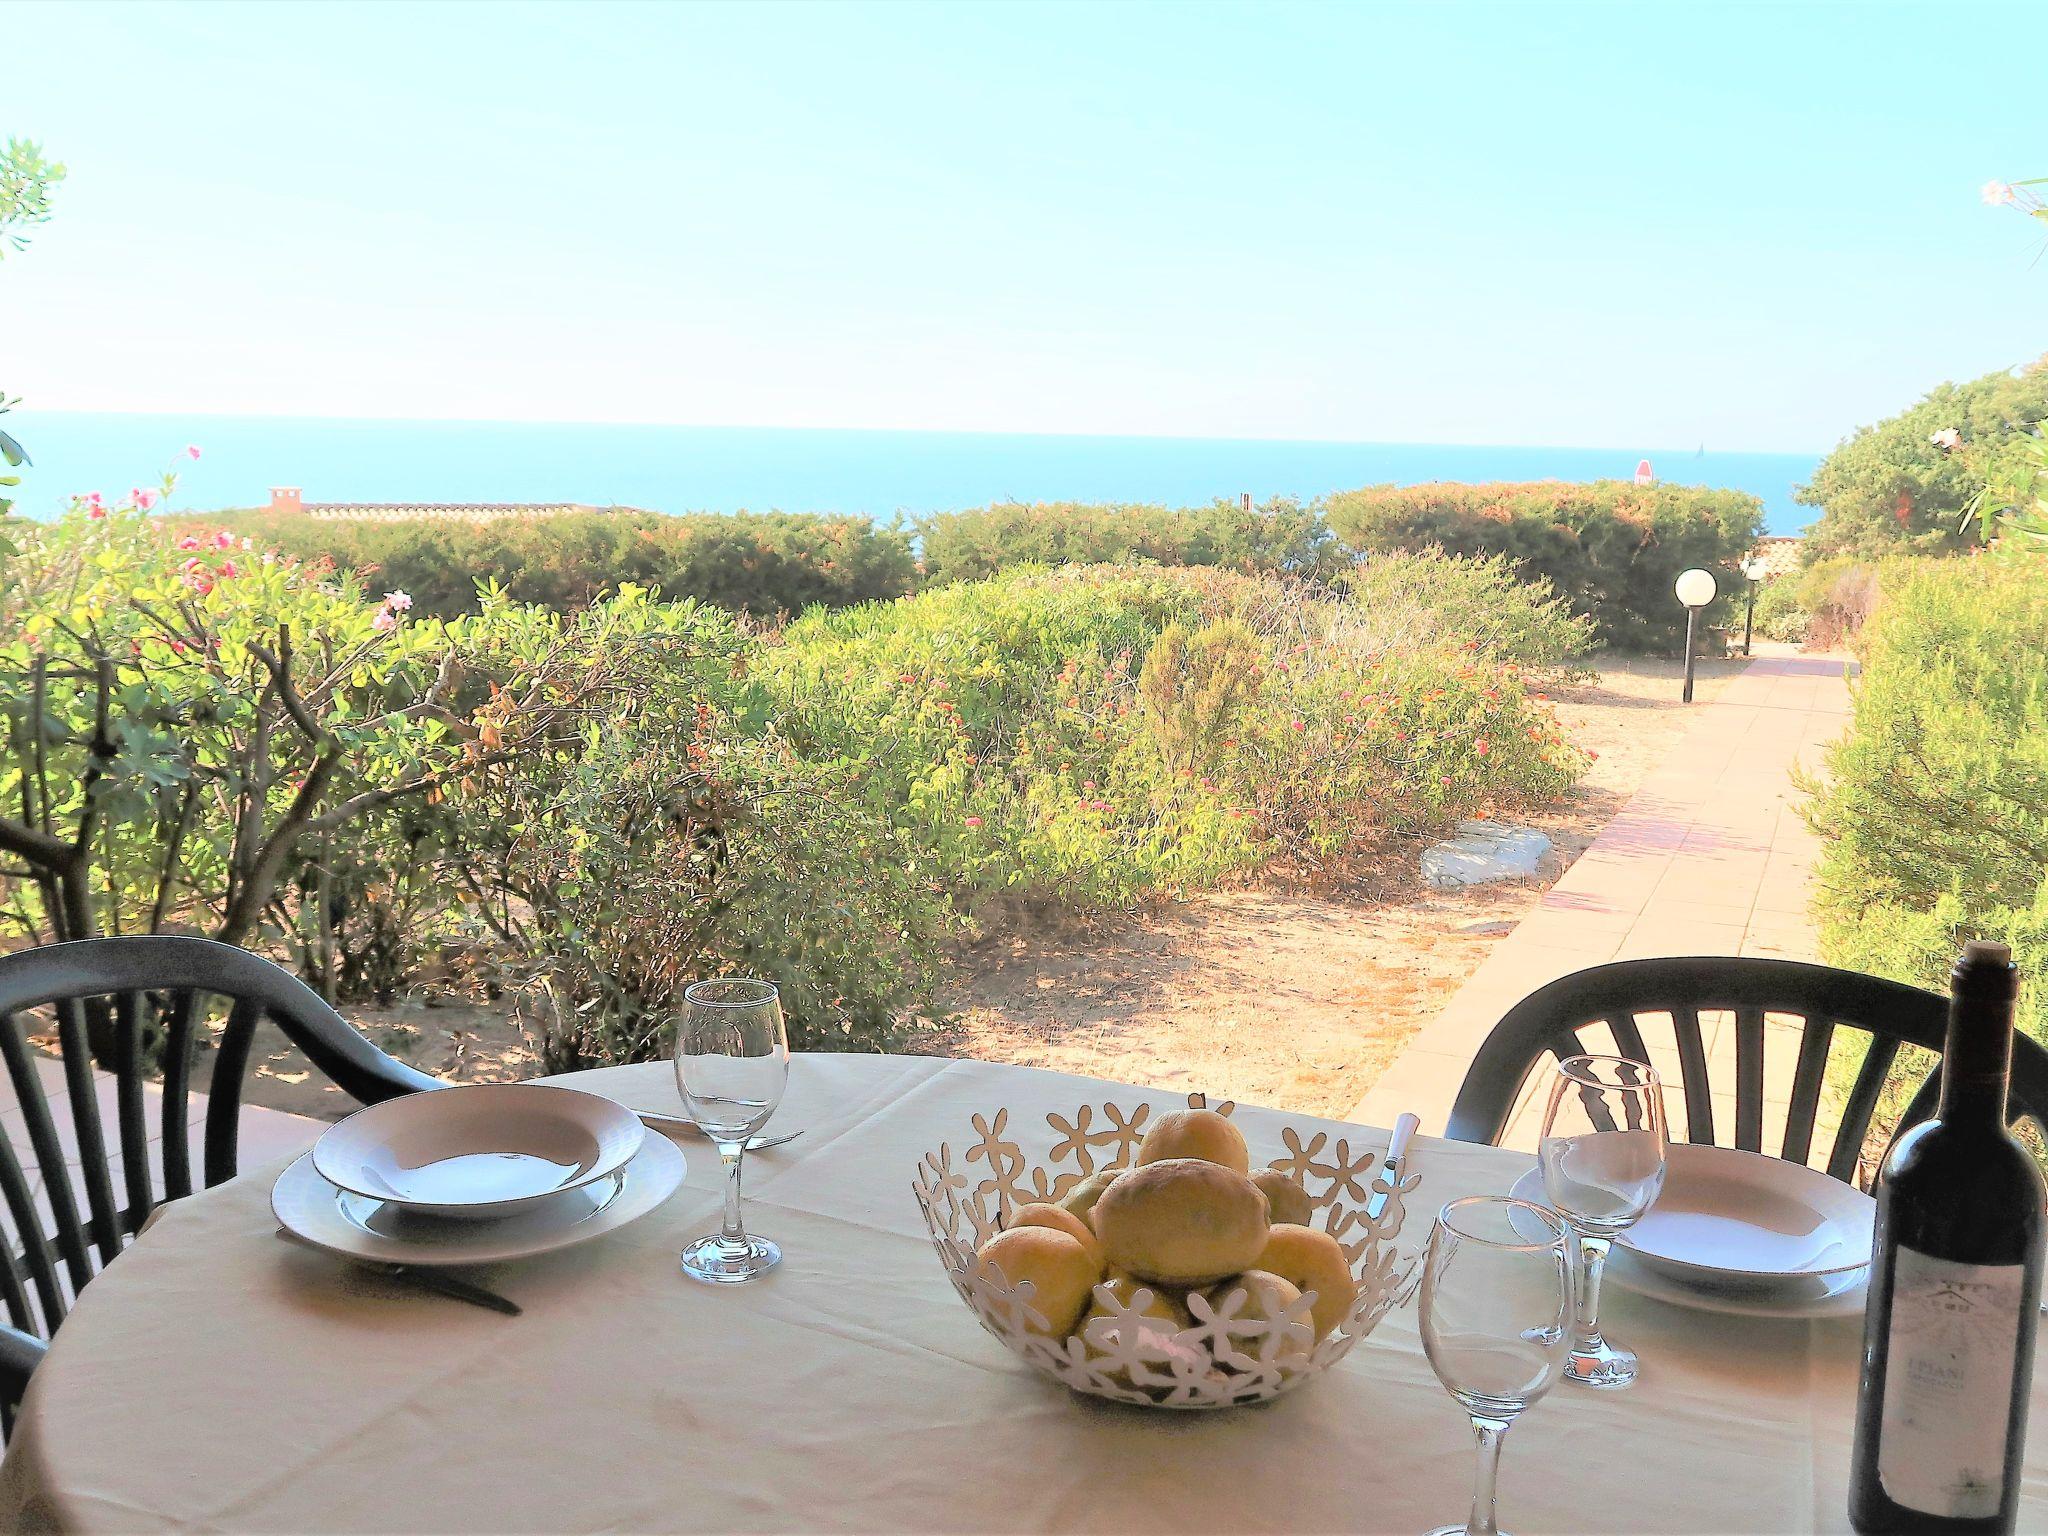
[427, 1279]
[1393, 1164]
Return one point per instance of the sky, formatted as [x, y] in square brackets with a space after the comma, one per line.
[1749, 226]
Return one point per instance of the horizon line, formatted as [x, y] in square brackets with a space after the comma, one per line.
[696, 426]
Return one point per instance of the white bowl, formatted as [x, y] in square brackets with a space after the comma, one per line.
[1225, 1359]
[477, 1151]
[1727, 1214]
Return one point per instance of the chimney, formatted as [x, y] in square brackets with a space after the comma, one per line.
[285, 498]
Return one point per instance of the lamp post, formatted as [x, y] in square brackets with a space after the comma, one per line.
[1753, 572]
[1695, 589]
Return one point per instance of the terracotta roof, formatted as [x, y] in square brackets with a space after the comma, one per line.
[1779, 553]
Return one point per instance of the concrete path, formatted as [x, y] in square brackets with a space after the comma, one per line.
[1709, 858]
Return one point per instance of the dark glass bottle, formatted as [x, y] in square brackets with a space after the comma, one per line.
[1955, 1288]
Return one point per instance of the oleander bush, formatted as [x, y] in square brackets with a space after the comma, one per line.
[756, 563]
[1934, 808]
[207, 737]
[1280, 536]
[1610, 549]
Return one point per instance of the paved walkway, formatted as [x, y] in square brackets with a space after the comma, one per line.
[1709, 858]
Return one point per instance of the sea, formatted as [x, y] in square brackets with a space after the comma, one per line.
[728, 469]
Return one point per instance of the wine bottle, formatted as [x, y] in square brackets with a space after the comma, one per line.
[1955, 1288]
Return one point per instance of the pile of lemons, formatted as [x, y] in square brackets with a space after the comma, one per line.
[1187, 1216]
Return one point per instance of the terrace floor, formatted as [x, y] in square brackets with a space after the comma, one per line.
[1710, 857]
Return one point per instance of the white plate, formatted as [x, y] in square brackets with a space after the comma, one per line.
[1837, 1294]
[480, 1150]
[360, 1228]
[1742, 1216]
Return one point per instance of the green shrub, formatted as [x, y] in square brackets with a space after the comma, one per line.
[1935, 806]
[758, 563]
[1281, 536]
[1090, 734]
[1779, 614]
[1611, 550]
[1504, 615]
[675, 834]
[1891, 488]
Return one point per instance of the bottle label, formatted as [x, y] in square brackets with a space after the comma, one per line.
[1950, 1359]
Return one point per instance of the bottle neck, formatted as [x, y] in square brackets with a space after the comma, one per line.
[1977, 1060]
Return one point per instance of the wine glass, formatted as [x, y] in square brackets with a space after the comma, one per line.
[1602, 1153]
[1496, 1296]
[732, 1063]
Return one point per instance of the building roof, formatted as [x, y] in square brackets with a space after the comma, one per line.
[1779, 554]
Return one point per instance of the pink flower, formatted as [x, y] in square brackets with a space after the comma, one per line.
[190, 541]
[1443, 778]
[227, 569]
[1297, 725]
[1948, 440]
[91, 498]
[223, 540]
[1087, 783]
[398, 602]
[95, 511]
[385, 622]
[144, 499]
[191, 450]
[973, 821]
[1481, 747]
[1999, 193]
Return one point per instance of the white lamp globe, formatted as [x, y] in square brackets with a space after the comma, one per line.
[1695, 587]
[1754, 568]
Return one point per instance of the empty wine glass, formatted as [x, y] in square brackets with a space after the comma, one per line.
[732, 1063]
[1496, 1296]
[1602, 1153]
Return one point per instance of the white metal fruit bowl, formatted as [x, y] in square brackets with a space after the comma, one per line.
[1225, 1359]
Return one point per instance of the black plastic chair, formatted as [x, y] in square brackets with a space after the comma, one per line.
[109, 991]
[1626, 994]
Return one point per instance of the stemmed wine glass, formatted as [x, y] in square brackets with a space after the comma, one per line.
[732, 1063]
[1496, 1295]
[1602, 1153]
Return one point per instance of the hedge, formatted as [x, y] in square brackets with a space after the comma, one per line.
[1611, 549]
[759, 563]
[1280, 537]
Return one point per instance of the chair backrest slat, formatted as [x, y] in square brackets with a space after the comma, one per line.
[1807, 1077]
[1692, 1067]
[1628, 1036]
[223, 1109]
[50, 1160]
[104, 1220]
[179, 1021]
[131, 1014]
[1749, 1079]
[1861, 1106]
[27, 1222]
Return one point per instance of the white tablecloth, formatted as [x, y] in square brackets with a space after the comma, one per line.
[214, 1378]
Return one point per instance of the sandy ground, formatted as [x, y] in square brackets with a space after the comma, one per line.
[1261, 996]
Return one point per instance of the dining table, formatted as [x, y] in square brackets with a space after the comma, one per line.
[213, 1378]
